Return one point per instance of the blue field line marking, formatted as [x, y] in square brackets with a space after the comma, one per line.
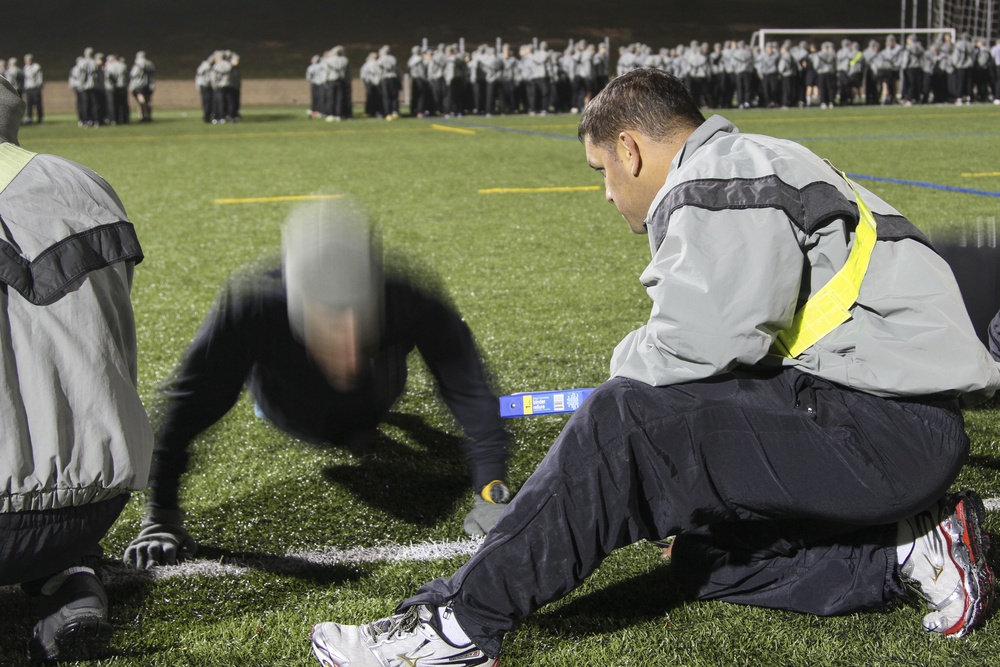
[921, 184]
[876, 137]
[862, 177]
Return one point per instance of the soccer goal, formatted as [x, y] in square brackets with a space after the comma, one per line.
[929, 18]
[762, 37]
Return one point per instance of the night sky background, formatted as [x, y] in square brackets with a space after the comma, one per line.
[276, 39]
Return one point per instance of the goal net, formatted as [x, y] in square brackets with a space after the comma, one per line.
[977, 18]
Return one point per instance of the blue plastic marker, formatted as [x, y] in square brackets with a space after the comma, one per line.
[534, 403]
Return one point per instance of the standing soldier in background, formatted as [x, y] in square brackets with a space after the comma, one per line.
[718, 77]
[316, 76]
[601, 69]
[100, 90]
[203, 82]
[869, 56]
[15, 75]
[454, 80]
[538, 82]
[117, 81]
[340, 75]
[142, 84]
[508, 80]
[76, 85]
[981, 67]
[825, 62]
[221, 71]
[583, 75]
[492, 74]
[88, 84]
[329, 104]
[995, 52]
[800, 52]
[743, 67]
[109, 90]
[913, 75]
[961, 76]
[887, 67]
[389, 82]
[565, 75]
[788, 70]
[475, 79]
[371, 78]
[416, 66]
[844, 87]
[235, 85]
[32, 90]
[698, 72]
[768, 68]
[941, 69]
[435, 72]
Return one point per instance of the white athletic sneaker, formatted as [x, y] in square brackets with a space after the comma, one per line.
[411, 639]
[947, 563]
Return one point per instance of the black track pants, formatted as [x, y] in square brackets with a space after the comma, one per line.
[784, 491]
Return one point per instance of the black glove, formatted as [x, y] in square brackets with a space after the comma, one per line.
[162, 540]
[489, 504]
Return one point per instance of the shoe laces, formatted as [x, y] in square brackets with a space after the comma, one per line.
[399, 625]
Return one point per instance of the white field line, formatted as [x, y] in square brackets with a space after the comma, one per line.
[301, 561]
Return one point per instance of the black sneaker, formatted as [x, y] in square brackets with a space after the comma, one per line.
[74, 623]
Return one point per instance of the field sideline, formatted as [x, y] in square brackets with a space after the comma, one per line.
[504, 214]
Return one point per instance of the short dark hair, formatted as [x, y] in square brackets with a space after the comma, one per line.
[645, 100]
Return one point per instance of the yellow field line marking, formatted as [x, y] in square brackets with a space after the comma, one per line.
[259, 200]
[977, 174]
[575, 188]
[456, 130]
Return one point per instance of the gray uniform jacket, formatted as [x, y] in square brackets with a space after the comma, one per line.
[745, 229]
[32, 76]
[72, 428]
[141, 75]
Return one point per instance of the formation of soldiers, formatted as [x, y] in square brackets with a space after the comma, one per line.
[219, 83]
[732, 73]
[102, 85]
[329, 79]
[449, 81]
[27, 81]
[535, 80]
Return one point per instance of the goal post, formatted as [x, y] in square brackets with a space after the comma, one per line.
[761, 37]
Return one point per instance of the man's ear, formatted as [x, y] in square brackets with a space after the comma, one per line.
[632, 155]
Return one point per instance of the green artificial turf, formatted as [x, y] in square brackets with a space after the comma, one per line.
[548, 282]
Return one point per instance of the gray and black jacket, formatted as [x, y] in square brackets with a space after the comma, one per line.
[72, 428]
[745, 229]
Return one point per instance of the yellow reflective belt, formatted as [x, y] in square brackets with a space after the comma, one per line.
[831, 306]
[12, 160]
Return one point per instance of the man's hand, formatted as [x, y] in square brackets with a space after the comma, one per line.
[162, 540]
[487, 508]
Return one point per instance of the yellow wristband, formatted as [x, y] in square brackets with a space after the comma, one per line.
[495, 492]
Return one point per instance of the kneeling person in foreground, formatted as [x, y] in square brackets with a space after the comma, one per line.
[799, 471]
[74, 438]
